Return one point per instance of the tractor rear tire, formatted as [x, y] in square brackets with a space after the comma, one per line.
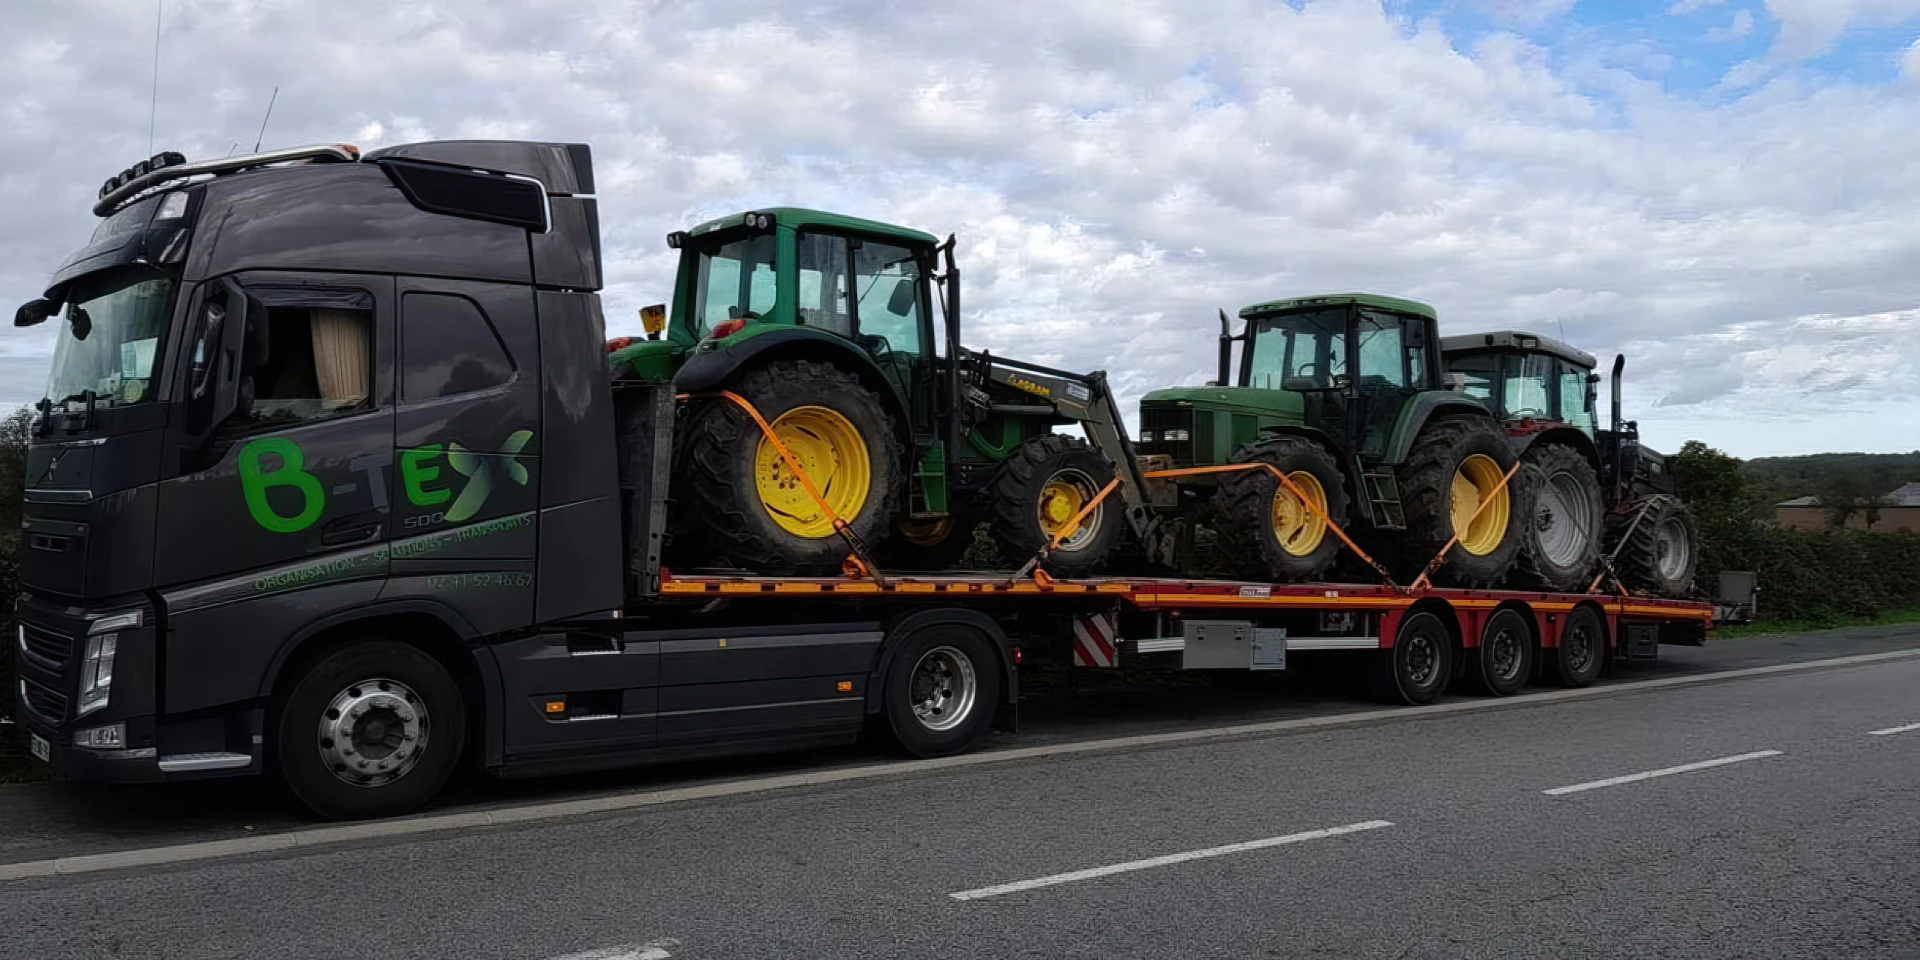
[1265, 526]
[1452, 462]
[747, 508]
[1661, 553]
[1046, 481]
[1564, 520]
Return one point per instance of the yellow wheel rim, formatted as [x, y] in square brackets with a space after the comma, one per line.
[926, 533]
[1477, 480]
[833, 454]
[1061, 500]
[1299, 525]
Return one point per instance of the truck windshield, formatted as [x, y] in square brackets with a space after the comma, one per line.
[735, 280]
[110, 337]
[1299, 351]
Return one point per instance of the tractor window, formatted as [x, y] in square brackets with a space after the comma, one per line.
[1382, 360]
[1299, 351]
[1529, 387]
[1482, 372]
[824, 266]
[887, 283]
[1576, 398]
[734, 280]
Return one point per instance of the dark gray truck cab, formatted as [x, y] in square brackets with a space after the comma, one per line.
[318, 399]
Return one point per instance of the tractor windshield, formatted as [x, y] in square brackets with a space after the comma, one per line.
[1298, 351]
[734, 281]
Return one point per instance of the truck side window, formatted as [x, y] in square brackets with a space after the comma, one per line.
[1382, 361]
[319, 363]
[447, 347]
[824, 301]
[887, 283]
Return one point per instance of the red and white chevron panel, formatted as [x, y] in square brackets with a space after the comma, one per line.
[1094, 636]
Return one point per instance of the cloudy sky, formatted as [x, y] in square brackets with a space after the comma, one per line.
[1727, 191]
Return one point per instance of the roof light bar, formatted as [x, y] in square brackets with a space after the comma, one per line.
[165, 167]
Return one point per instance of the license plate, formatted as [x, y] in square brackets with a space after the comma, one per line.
[40, 747]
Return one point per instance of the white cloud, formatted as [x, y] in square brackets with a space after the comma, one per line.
[1115, 171]
[1684, 7]
[1739, 29]
[1811, 28]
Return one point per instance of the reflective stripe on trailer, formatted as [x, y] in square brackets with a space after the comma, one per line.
[1094, 636]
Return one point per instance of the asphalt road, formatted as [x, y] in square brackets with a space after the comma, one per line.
[1455, 848]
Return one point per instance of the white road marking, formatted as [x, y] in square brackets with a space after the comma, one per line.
[1171, 858]
[651, 950]
[624, 802]
[1890, 731]
[1664, 772]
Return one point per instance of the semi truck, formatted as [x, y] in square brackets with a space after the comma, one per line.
[332, 483]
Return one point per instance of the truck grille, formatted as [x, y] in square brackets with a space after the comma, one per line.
[46, 702]
[45, 647]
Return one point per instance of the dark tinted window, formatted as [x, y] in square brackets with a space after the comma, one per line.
[447, 347]
[463, 193]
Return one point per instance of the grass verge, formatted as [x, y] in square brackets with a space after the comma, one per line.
[1769, 627]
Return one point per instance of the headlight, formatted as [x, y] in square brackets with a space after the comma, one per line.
[1174, 436]
[1146, 436]
[96, 667]
[110, 737]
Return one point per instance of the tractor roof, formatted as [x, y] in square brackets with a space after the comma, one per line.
[1515, 341]
[1374, 300]
[803, 218]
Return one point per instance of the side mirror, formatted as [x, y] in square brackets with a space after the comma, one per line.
[204, 357]
[34, 312]
[653, 319]
[900, 303]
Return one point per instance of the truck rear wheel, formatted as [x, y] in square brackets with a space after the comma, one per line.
[1576, 662]
[1263, 522]
[1660, 554]
[1039, 490]
[1456, 465]
[371, 730]
[749, 507]
[941, 691]
[1560, 536]
[1504, 659]
[1418, 667]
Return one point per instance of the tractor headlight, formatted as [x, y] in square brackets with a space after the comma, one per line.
[1146, 436]
[1175, 436]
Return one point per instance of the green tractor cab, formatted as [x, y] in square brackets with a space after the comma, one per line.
[1342, 394]
[824, 325]
[1597, 491]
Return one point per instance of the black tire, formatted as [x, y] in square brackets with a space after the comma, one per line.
[1244, 509]
[1418, 667]
[1426, 493]
[720, 450]
[928, 545]
[1582, 651]
[1503, 662]
[375, 674]
[1564, 519]
[1020, 496]
[912, 683]
[1663, 550]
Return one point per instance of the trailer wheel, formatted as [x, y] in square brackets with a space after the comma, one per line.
[1576, 662]
[941, 691]
[372, 730]
[1418, 667]
[1504, 660]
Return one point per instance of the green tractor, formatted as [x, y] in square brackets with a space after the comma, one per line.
[824, 324]
[1343, 394]
[1594, 491]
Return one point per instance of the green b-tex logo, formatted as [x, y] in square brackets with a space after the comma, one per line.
[278, 462]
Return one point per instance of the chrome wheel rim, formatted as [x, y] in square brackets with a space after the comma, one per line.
[1564, 520]
[374, 732]
[942, 689]
[1672, 551]
[1503, 654]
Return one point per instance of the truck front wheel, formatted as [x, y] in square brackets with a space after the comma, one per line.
[941, 691]
[371, 730]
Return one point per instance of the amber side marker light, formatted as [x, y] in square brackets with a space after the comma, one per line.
[845, 686]
[556, 706]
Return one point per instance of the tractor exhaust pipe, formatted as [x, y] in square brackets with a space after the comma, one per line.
[1619, 363]
[1226, 349]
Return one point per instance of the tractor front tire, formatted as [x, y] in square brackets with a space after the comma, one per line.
[748, 509]
[1660, 554]
[1039, 489]
[1266, 525]
[1564, 521]
[1454, 465]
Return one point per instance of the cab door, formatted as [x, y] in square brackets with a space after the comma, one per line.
[1382, 382]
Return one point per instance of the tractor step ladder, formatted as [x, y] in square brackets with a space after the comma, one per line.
[1383, 493]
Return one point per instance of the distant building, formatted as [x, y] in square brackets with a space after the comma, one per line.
[1899, 513]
